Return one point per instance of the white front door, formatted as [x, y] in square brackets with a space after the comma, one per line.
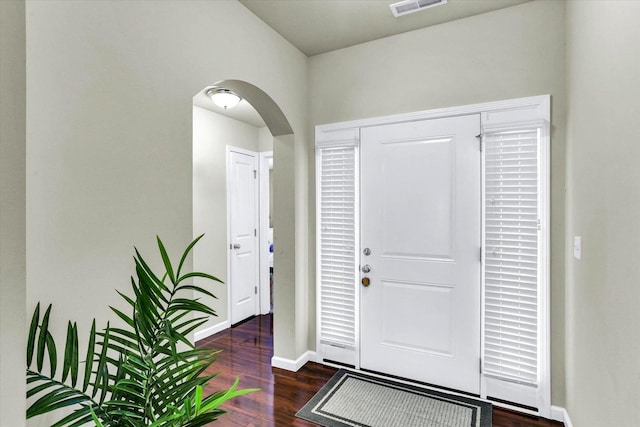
[420, 220]
[243, 241]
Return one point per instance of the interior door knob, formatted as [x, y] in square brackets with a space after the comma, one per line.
[236, 246]
[366, 268]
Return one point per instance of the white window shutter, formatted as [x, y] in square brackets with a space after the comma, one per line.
[337, 223]
[512, 263]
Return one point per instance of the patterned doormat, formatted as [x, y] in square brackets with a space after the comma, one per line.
[355, 399]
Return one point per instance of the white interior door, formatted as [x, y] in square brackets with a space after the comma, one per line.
[420, 219]
[242, 200]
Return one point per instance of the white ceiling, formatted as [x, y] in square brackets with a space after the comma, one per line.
[319, 26]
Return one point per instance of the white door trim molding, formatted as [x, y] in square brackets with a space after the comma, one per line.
[499, 113]
[265, 164]
[540, 104]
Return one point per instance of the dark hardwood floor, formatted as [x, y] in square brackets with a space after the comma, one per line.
[246, 352]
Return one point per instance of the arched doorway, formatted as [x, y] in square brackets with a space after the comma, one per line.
[288, 333]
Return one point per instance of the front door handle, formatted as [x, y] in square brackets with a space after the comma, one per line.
[366, 268]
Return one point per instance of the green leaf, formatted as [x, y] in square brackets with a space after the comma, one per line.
[37, 389]
[198, 289]
[212, 402]
[35, 319]
[166, 261]
[124, 337]
[189, 305]
[42, 338]
[186, 253]
[95, 419]
[88, 366]
[150, 289]
[127, 298]
[79, 415]
[199, 274]
[58, 398]
[53, 354]
[198, 399]
[205, 419]
[195, 323]
[149, 272]
[102, 361]
[123, 316]
[68, 348]
[74, 356]
[104, 384]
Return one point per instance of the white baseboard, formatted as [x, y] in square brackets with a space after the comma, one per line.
[559, 413]
[293, 365]
[211, 330]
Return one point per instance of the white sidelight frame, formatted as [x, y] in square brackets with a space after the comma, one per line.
[508, 113]
[344, 351]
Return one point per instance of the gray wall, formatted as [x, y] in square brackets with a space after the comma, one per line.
[509, 53]
[603, 206]
[12, 212]
[109, 150]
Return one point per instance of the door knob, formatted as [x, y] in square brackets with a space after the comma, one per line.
[366, 268]
[236, 246]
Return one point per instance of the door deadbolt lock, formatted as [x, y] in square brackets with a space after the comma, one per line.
[366, 268]
[366, 251]
[366, 281]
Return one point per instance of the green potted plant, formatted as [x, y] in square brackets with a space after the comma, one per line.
[145, 373]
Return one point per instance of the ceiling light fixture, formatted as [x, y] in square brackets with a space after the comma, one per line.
[223, 98]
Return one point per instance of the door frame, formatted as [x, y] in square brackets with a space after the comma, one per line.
[231, 149]
[504, 112]
[265, 164]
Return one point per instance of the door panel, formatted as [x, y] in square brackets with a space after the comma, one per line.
[405, 304]
[243, 275]
[420, 217]
[424, 229]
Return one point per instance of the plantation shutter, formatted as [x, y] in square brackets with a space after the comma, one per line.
[512, 262]
[337, 236]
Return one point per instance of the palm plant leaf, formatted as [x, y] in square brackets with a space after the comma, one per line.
[89, 359]
[145, 372]
[167, 261]
[186, 253]
[42, 338]
[33, 329]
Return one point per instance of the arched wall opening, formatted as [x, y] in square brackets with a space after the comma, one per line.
[289, 303]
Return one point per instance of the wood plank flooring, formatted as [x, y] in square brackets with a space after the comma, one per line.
[246, 352]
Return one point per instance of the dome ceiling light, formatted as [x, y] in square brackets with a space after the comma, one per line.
[224, 98]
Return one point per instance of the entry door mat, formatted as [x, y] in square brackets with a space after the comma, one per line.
[355, 399]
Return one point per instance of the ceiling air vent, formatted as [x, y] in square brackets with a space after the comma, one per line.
[409, 6]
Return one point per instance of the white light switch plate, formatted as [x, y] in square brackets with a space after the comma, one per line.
[577, 247]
